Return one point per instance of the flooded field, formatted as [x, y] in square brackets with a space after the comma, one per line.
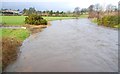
[75, 45]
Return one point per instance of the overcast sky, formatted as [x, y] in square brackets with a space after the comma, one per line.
[64, 5]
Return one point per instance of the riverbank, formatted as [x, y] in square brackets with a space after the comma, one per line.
[12, 39]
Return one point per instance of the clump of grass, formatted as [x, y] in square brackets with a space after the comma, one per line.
[94, 20]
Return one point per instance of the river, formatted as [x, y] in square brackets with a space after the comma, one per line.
[75, 45]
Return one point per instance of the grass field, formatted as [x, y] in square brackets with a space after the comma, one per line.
[57, 18]
[19, 20]
[13, 20]
[19, 34]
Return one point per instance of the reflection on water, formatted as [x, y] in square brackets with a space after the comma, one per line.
[69, 46]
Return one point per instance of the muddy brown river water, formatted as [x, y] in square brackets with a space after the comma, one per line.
[74, 45]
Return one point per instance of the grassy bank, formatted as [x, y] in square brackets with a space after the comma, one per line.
[19, 34]
[9, 50]
[11, 40]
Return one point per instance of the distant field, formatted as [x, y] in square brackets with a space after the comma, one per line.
[57, 18]
[13, 20]
[19, 20]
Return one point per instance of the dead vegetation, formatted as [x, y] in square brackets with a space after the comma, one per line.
[9, 50]
[36, 28]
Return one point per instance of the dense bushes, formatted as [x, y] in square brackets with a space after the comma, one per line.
[109, 21]
[35, 19]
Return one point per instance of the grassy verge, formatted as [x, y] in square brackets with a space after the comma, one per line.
[19, 34]
[11, 40]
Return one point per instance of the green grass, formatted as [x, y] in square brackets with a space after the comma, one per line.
[57, 18]
[83, 16]
[13, 20]
[19, 20]
[94, 20]
[19, 34]
[117, 26]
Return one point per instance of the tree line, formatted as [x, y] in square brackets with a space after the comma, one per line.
[106, 15]
[53, 13]
[45, 13]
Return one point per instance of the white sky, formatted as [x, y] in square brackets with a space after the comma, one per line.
[72, 3]
[81, 3]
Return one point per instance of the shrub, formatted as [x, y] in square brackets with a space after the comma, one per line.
[35, 19]
[109, 21]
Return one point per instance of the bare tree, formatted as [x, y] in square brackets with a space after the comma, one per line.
[110, 8]
[83, 11]
[77, 12]
[91, 11]
[119, 12]
[98, 9]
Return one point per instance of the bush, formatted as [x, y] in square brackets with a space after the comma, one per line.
[109, 21]
[35, 19]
